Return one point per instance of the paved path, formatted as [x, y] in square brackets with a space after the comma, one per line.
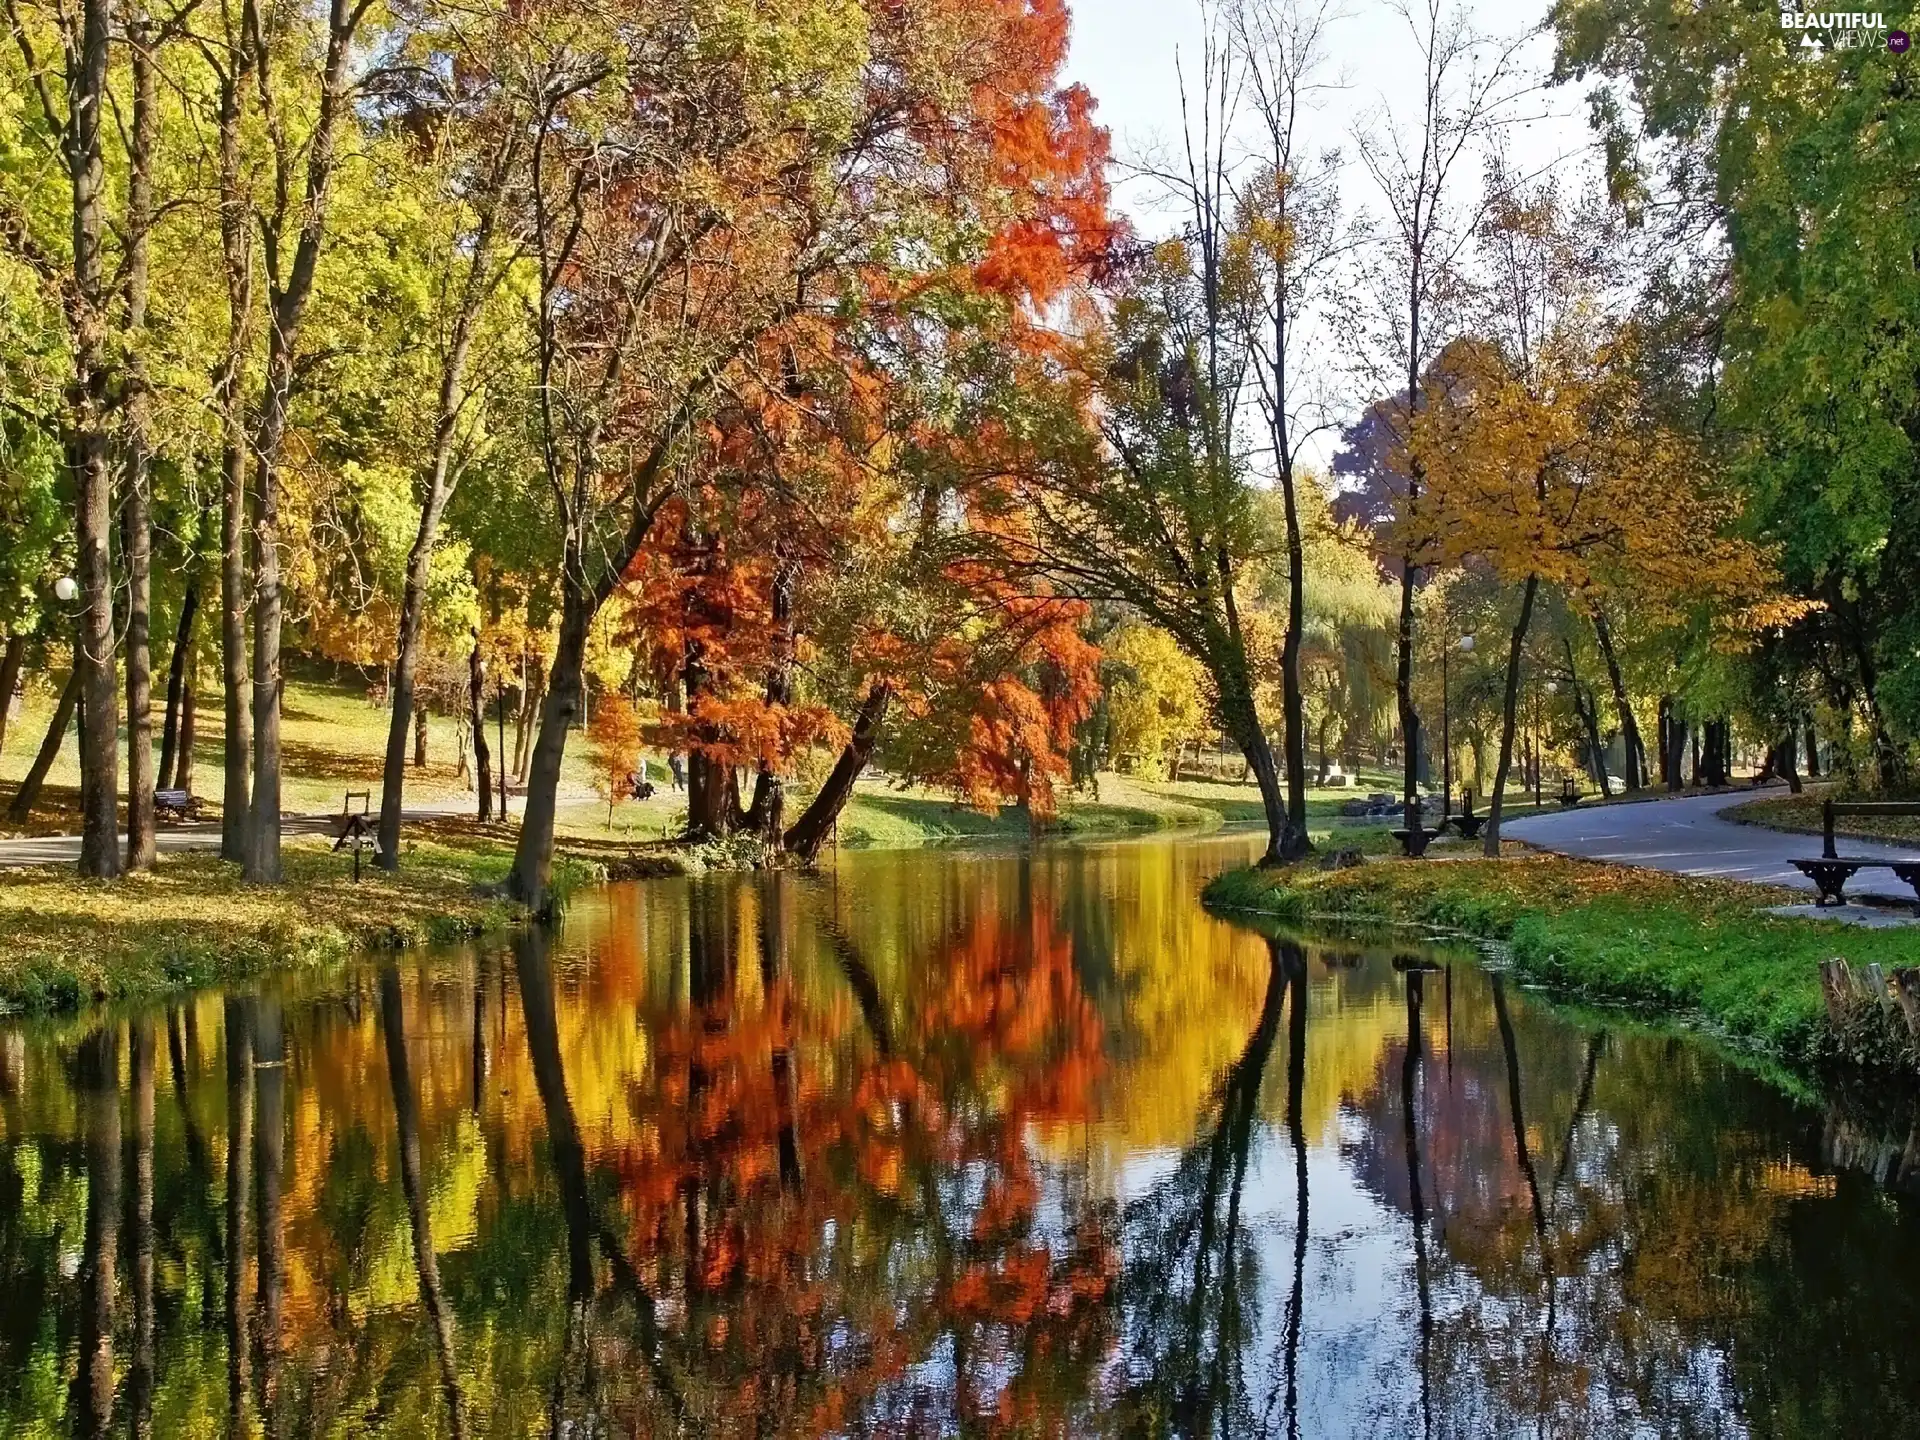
[199, 835]
[1688, 836]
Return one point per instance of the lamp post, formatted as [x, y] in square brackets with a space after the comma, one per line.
[1465, 646]
[1540, 750]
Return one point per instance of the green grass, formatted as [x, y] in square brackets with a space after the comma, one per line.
[191, 922]
[1698, 949]
[1801, 814]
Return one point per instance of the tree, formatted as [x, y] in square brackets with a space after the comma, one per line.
[1464, 84]
[1147, 504]
[615, 733]
[71, 100]
[1289, 228]
[1156, 698]
[476, 122]
[1769, 174]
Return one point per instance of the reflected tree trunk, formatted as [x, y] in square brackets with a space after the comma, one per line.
[776, 981]
[97, 1087]
[239, 1043]
[406, 1116]
[480, 1062]
[1294, 960]
[1525, 1156]
[269, 1148]
[1202, 1402]
[140, 1384]
[573, 1393]
[1416, 1199]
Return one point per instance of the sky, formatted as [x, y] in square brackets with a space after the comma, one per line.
[1126, 52]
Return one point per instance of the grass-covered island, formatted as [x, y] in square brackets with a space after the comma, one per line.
[1695, 950]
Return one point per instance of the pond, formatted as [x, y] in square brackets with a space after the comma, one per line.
[937, 1143]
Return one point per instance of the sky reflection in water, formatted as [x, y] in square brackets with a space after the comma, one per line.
[944, 1144]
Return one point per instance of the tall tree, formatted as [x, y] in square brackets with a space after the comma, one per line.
[72, 100]
[1288, 225]
[1463, 86]
[478, 128]
[304, 166]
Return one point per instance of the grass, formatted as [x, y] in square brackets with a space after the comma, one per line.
[1800, 814]
[1698, 949]
[191, 922]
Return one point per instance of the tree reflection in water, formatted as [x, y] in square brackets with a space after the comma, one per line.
[963, 1146]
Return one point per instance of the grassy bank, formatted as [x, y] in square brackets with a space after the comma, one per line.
[191, 922]
[1702, 950]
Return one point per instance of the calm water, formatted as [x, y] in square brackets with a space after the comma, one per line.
[944, 1144]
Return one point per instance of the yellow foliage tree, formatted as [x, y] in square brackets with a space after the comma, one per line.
[1157, 702]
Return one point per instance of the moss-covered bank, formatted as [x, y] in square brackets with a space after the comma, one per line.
[192, 922]
[1701, 950]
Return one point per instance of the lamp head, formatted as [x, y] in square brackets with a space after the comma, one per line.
[65, 589]
[1467, 643]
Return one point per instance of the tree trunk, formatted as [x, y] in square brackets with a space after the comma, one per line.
[807, 834]
[1239, 717]
[426, 1264]
[90, 401]
[1295, 842]
[533, 855]
[1587, 708]
[1509, 720]
[419, 734]
[176, 682]
[477, 710]
[1403, 693]
[1813, 752]
[236, 248]
[1637, 776]
[189, 727]
[287, 303]
[138, 408]
[766, 815]
[29, 791]
[441, 479]
[10, 663]
[97, 1083]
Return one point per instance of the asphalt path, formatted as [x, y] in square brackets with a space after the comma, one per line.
[1688, 836]
[195, 835]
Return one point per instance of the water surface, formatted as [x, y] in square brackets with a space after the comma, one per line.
[939, 1144]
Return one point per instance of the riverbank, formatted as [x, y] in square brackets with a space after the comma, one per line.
[1700, 950]
[191, 922]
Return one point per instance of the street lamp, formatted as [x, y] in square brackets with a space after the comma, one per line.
[1465, 646]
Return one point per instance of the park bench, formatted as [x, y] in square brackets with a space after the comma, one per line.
[354, 829]
[174, 806]
[1831, 872]
[1466, 822]
[1569, 793]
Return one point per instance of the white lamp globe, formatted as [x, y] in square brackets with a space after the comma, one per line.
[1467, 643]
[65, 589]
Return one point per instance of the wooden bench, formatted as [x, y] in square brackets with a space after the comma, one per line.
[1466, 822]
[1831, 872]
[1569, 793]
[353, 829]
[174, 806]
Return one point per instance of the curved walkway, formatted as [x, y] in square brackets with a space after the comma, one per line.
[1688, 837]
